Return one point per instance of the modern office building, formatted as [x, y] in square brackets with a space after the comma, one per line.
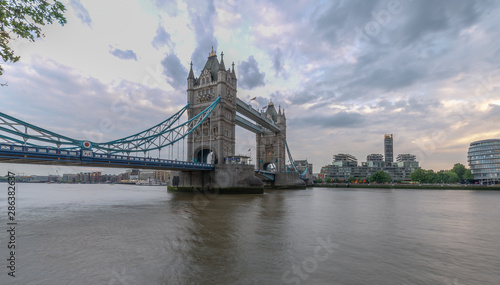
[388, 148]
[484, 161]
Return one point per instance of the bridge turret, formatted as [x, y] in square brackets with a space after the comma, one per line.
[190, 82]
[281, 120]
[270, 144]
[234, 79]
[217, 135]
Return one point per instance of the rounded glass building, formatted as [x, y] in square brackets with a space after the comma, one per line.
[484, 161]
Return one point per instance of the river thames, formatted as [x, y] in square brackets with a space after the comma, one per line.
[126, 234]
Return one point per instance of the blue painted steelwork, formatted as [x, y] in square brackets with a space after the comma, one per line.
[15, 131]
[157, 138]
[265, 175]
[290, 157]
[301, 175]
[83, 157]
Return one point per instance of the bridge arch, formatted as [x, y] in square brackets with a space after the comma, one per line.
[206, 155]
[269, 166]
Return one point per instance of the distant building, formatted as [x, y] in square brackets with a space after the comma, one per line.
[95, 177]
[38, 178]
[162, 175]
[304, 167]
[345, 166]
[484, 160]
[69, 178]
[344, 157]
[388, 148]
[134, 174]
[406, 157]
[146, 174]
[375, 158]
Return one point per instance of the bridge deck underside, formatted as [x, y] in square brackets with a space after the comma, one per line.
[247, 125]
[249, 112]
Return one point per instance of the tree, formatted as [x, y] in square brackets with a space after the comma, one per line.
[328, 180]
[23, 19]
[459, 169]
[380, 177]
[319, 180]
[418, 175]
[468, 174]
[430, 176]
[352, 179]
[442, 177]
[452, 177]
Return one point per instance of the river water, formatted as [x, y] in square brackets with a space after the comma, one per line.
[125, 234]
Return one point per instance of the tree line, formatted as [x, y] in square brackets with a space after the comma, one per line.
[457, 174]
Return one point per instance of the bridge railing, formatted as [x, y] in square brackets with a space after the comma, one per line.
[42, 153]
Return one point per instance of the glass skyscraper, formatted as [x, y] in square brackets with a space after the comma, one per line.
[484, 161]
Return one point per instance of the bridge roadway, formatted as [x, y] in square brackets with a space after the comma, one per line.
[51, 156]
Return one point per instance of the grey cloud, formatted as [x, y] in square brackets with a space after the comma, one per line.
[176, 73]
[389, 78]
[81, 12]
[410, 105]
[342, 16]
[170, 6]
[249, 74]
[69, 106]
[123, 54]
[338, 120]
[312, 96]
[430, 17]
[278, 63]
[202, 20]
[161, 39]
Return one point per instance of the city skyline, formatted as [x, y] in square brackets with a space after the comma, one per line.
[345, 73]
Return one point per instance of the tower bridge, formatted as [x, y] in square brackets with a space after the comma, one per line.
[207, 138]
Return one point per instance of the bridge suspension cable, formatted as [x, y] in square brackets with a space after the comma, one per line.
[292, 162]
[15, 131]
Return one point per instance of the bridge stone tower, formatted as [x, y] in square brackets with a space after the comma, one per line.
[217, 135]
[271, 152]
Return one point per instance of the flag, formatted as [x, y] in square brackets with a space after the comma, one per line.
[264, 107]
[253, 98]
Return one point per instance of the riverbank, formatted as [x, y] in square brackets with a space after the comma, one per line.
[410, 186]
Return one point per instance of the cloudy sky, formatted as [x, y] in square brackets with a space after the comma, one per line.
[346, 72]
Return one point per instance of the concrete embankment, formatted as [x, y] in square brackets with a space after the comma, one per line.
[412, 186]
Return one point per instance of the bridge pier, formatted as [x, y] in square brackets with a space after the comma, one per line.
[225, 179]
[288, 180]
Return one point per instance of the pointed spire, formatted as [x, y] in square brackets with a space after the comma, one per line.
[191, 74]
[213, 53]
[233, 75]
[279, 110]
[221, 65]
